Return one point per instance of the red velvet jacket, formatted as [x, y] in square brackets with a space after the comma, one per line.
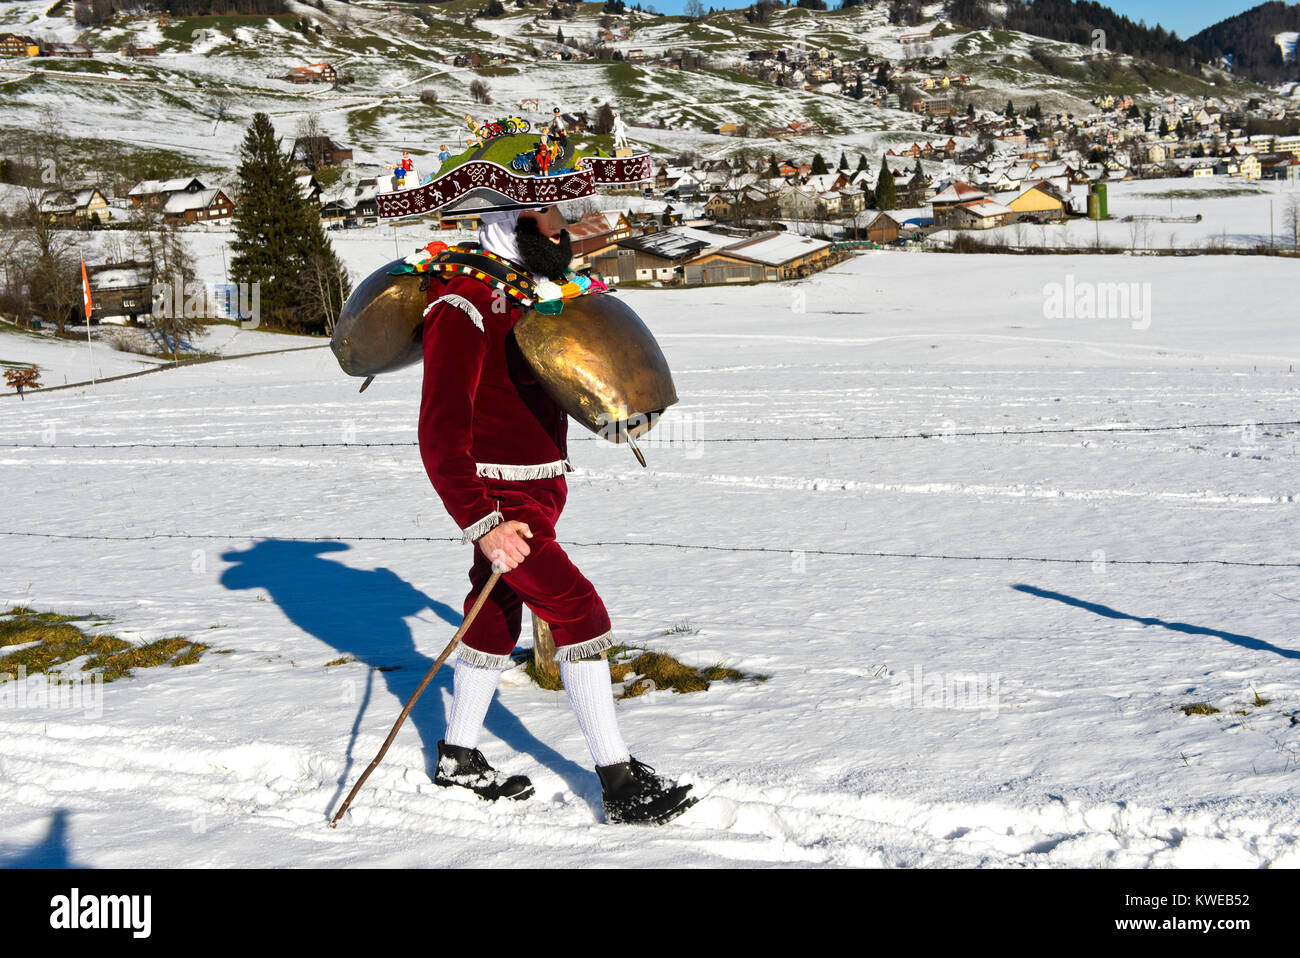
[483, 416]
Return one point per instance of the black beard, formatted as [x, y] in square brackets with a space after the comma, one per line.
[542, 256]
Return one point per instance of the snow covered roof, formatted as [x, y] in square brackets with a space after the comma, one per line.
[153, 187]
[56, 201]
[669, 244]
[120, 277]
[959, 192]
[180, 202]
[773, 249]
[986, 207]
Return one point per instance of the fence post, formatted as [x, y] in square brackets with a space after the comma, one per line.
[544, 648]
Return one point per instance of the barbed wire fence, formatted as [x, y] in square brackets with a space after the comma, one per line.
[734, 549]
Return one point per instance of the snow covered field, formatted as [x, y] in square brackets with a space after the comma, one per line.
[919, 711]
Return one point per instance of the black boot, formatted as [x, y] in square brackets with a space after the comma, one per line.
[468, 768]
[634, 795]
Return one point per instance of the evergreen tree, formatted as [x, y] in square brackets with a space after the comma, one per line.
[886, 195]
[279, 242]
[1010, 111]
[559, 36]
[862, 162]
[844, 161]
[773, 168]
[819, 165]
[970, 111]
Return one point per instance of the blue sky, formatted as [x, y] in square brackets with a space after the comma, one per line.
[1185, 16]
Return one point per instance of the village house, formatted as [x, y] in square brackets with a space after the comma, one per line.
[16, 45]
[596, 232]
[199, 207]
[654, 256]
[946, 202]
[120, 289]
[74, 50]
[359, 206]
[320, 153]
[769, 256]
[75, 207]
[880, 228]
[154, 194]
[312, 73]
[980, 215]
[1038, 202]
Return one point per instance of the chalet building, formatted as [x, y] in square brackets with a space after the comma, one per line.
[654, 256]
[1279, 166]
[16, 45]
[154, 194]
[946, 202]
[1249, 168]
[1038, 202]
[201, 207]
[309, 189]
[320, 153]
[313, 73]
[880, 228]
[75, 207]
[120, 289]
[982, 214]
[75, 50]
[769, 256]
[359, 207]
[596, 232]
[135, 52]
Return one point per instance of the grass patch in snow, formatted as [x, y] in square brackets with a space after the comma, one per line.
[639, 670]
[1205, 194]
[1197, 708]
[340, 661]
[49, 639]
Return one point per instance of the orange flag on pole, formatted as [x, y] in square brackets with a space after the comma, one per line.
[85, 290]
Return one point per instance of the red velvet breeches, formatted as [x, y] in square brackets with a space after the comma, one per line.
[546, 581]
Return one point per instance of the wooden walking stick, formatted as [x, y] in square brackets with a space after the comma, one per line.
[455, 640]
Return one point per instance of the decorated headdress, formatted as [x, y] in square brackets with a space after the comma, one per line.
[506, 173]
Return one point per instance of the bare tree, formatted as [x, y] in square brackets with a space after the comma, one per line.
[312, 139]
[694, 9]
[1293, 219]
[222, 103]
[324, 290]
[48, 265]
[179, 314]
[480, 91]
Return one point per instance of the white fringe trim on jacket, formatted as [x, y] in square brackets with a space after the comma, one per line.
[572, 653]
[545, 470]
[461, 303]
[482, 527]
[483, 660]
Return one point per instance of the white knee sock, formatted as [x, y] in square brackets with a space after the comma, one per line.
[592, 699]
[472, 693]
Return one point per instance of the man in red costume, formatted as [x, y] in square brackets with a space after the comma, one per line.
[494, 446]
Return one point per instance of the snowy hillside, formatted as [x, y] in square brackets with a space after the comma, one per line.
[391, 56]
[917, 711]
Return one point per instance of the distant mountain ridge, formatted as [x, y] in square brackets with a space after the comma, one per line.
[1250, 38]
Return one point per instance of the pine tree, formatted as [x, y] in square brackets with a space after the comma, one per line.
[559, 36]
[844, 161]
[862, 162]
[279, 242]
[886, 195]
[819, 165]
[773, 169]
[1010, 112]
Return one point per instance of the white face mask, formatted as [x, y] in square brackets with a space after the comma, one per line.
[497, 234]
